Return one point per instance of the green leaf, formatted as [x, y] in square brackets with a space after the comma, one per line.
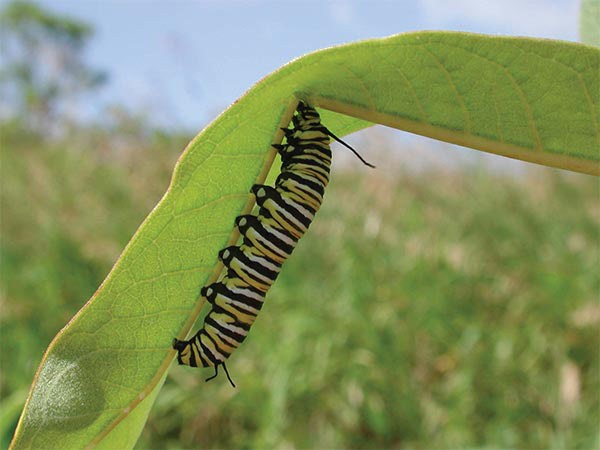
[535, 100]
[589, 22]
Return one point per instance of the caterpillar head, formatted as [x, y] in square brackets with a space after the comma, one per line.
[306, 112]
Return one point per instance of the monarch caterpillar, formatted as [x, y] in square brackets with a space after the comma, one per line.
[285, 213]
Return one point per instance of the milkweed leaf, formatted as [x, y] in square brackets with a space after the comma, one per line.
[535, 100]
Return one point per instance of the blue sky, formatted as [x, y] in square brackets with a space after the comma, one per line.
[182, 61]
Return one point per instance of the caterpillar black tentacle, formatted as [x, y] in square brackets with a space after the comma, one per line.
[350, 148]
[268, 239]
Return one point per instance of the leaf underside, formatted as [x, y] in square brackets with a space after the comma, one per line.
[535, 100]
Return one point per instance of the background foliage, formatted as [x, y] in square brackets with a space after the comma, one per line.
[413, 314]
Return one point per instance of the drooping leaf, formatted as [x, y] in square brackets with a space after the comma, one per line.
[535, 100]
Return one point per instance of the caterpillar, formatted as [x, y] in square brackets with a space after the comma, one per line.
[268, 239]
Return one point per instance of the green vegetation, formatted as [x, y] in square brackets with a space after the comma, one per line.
[412, 315]
[106, 368]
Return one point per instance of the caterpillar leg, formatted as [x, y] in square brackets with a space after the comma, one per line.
[279, 148]
[255, 187]
[263, 192]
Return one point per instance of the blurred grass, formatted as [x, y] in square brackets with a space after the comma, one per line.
[441, 309]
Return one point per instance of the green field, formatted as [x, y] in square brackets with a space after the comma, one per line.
[444, 309]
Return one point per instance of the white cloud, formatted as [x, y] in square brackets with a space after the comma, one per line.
[544, 18]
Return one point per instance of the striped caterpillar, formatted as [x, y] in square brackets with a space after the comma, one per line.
[285, 213]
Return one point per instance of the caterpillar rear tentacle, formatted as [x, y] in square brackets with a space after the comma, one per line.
[285, 213]
[217, 373]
